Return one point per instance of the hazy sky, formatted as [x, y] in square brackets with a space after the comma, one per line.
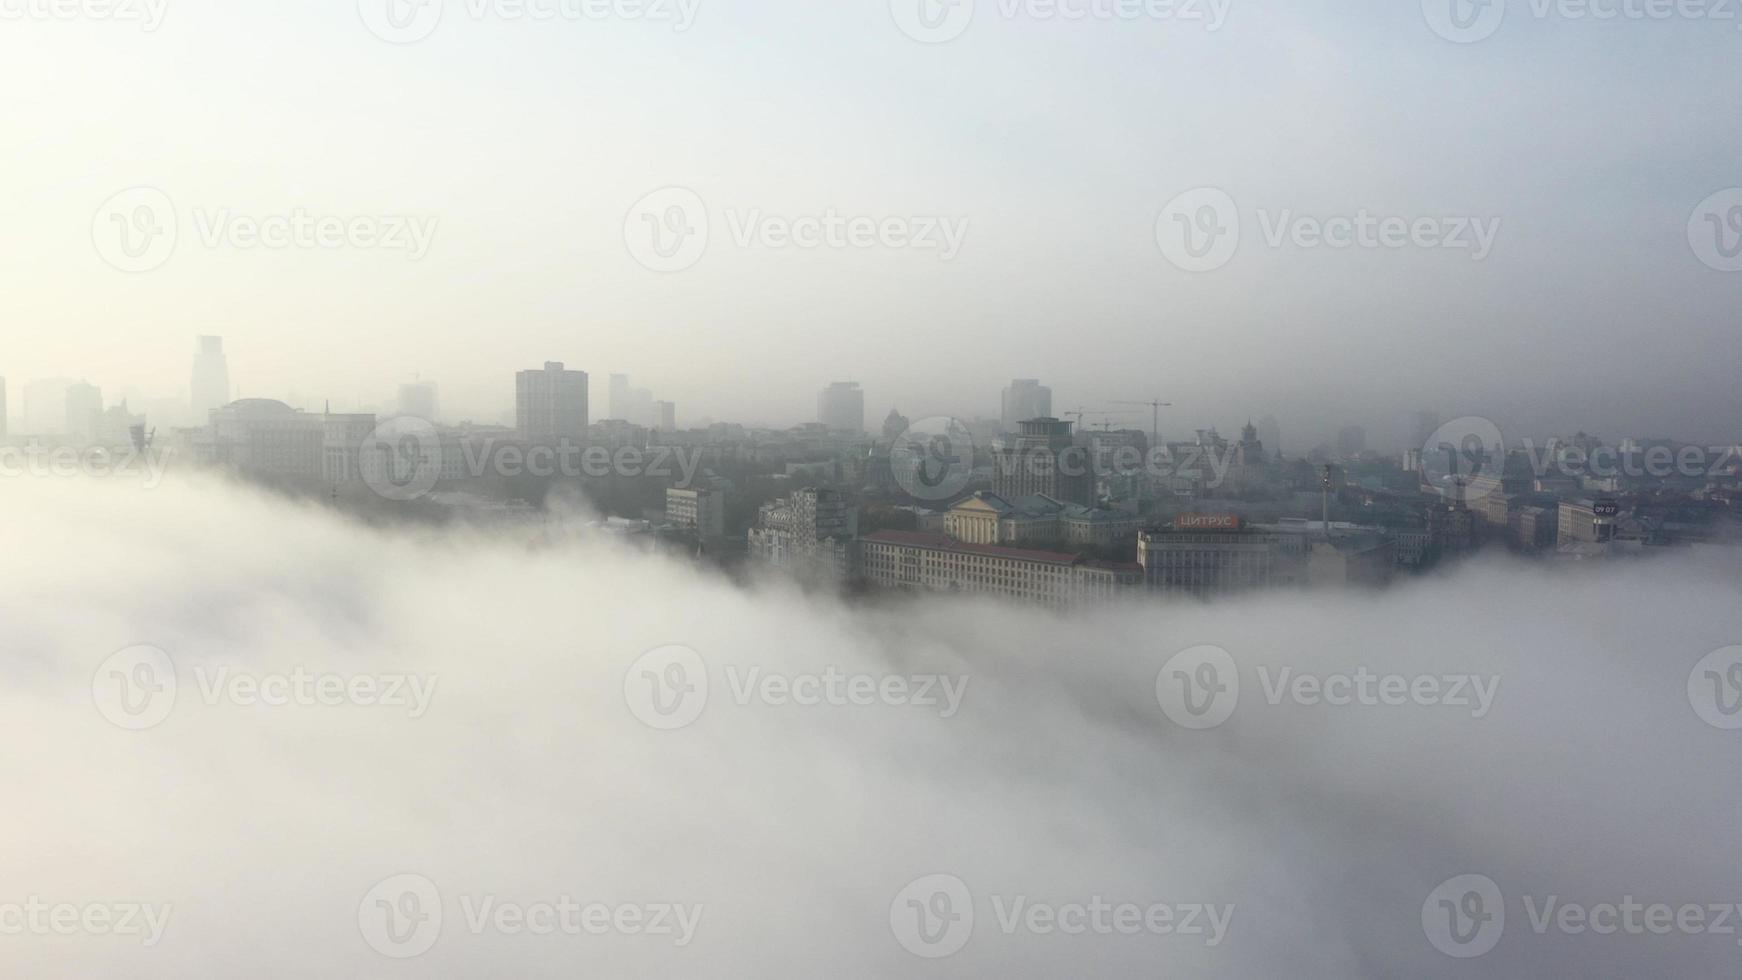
[1060, 142]
[527, 776]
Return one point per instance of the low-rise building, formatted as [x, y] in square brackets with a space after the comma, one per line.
[934, 562]
[702, 509]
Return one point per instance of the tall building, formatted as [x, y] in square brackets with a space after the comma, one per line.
[1025, 399]
[1045, 459]
[420, 399]
[550, 405]
[617, 398]
[894, 425]
[84, 412]
[810, 532]
[841, 408]
[211, 379]
[665, 416]
[1270, 433]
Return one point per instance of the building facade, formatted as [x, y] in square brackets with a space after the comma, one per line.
[1025, 399]
[936, 563]
[1045, 460]
[841, 408]
[550, 405]
[702, 509]
[1215, 554]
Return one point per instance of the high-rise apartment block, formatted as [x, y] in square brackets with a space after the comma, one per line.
[841, 408]
[550, 405]
[1025, 399]
[211, 378]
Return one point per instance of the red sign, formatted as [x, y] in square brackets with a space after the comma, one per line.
[1207, 522]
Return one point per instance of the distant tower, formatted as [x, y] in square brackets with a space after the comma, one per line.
[1025, 399]
[420, 399]
[894, 425]
[841, 408]
[618, 398]
[211, 381]
[551, 405]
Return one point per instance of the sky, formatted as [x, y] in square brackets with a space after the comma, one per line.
[264, 836]
[534, 151]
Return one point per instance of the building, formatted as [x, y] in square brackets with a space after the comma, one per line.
[704, 510]
[1215, 554]
[841, 408]
[895, 425]
[1341, 561]
[1045, 460]
[618, 397]
[550, 405]
[1586, 521]
[665, 416]
[1025, 399]
[932, 562]
[262, 437]
[1038, 520]
[84, 406]
[211, 378]
[420, 399]
[809, 532]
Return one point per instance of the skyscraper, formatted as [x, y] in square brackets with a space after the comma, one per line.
[84, 412]
[211, 381]
[420, 399]
[1025, 399]
[1045, 460]
[667, 416]
[550, 405]
[841, 408]
[618, 397]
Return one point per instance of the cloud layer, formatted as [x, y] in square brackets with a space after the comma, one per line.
[532, 781]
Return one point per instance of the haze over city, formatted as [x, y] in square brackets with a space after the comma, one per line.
[878, 488]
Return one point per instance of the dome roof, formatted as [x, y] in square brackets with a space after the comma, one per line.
[259, 408]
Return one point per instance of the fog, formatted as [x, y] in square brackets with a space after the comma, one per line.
[789, 831]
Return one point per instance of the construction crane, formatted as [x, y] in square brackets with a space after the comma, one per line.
[1155, 406]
